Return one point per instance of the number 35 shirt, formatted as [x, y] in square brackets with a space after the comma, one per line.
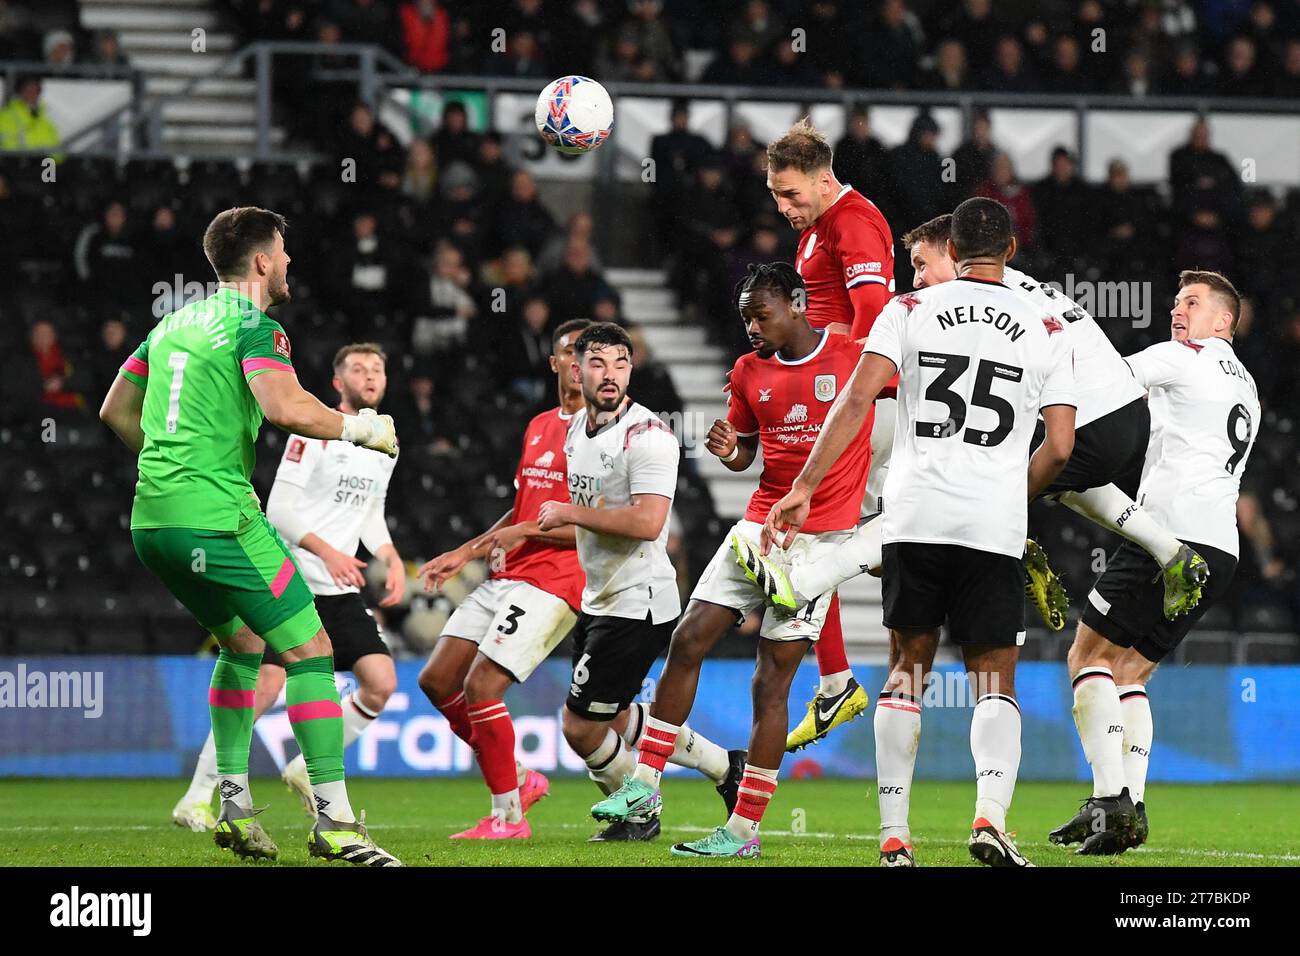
[1204, 418]
[976, 363]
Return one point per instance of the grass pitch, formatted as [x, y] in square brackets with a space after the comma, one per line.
[810, 823]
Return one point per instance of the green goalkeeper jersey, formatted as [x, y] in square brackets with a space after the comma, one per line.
[200, 418]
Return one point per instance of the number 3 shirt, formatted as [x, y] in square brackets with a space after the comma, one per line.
[1204, 417]
[976, 363]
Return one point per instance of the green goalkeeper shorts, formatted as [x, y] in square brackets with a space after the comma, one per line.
[227, 580]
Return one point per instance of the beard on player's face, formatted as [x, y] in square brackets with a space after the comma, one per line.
[363, 397]
[604, 395]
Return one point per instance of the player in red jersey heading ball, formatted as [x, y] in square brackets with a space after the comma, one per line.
[846, 259]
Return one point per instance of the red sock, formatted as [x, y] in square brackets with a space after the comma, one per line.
[456, 711]
[494, 745]
[657, 743]
[756, 788]
[831, 657]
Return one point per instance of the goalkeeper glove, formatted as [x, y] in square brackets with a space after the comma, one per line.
[371, 431]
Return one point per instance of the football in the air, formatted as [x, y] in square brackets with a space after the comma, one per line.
[574, 114]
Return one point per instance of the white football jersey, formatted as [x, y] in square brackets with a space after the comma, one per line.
[1102, 381]
[1204, 418]
[341, 483]
[976, 363]
[635, 454]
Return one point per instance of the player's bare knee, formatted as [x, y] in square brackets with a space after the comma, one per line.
[436, 685]
[485, 681]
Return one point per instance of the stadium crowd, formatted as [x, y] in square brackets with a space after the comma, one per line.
[450, 257]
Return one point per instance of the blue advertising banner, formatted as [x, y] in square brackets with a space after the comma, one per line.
[143, 716]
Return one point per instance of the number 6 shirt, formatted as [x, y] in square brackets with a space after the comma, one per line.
[1204, 418]
[976, 363]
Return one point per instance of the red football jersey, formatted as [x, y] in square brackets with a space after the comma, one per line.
[849, 247]
[543, 475]
[785, 404]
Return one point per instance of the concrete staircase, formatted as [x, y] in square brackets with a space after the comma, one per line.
[699, 371]
[157, 37]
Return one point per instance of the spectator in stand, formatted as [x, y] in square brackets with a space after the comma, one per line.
[1242, 74]
[368, 274]
[646, 29]
[507, 284]
[576, 290]
[676, 156]
[466, 49]
[711, 227]
[450, 307]
[366, 142]
[862, 160]
[579, 227]
[108, 49]
[369, 21]
[426, 35]
[1065, 74]
[920, 191]
[891, 49]
[738, 152]
[973, 157]
[420, 177]
[760, 25]
[166, 253]
[523, 355]
[1126, 224]
[1262, 576]
[949, 70]
[579, 44]
[1003, 186]
[828, 47]
[739, 65]
[522, 219]
[790, 68]
[1189, 76]
[1203, 179]
[106, 255]
[103, 363]
[1271, 254]
[454, 139]
[459, 215]
[53, 369]
[493, 171]
[977, 27]
[1288, 77]
[1063, 206]
[25, 121]
[1009, 73]
[523, 57]
[59, 49]
[1135, 81]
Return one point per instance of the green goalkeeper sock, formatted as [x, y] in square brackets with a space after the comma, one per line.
[317, 721]
[230, 702]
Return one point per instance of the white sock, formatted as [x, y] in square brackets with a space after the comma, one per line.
[898, 734]
[356, 718]
[332, 800]
[506, 806]
[1111, 508]
[1138, 733]
[609, 763]
[697, 752]
[756, 789]
[832, 685]
[637, 714]
[204, 780]
[995, 745]
[234, 786]
[1100, 722]
[521, 773]
[854, 556]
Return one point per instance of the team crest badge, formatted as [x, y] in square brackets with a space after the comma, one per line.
[280, 343]
[824, 388]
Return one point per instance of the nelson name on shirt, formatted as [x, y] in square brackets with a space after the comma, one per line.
[970, 314]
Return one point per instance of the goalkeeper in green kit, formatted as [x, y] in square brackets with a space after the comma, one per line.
[190, 401]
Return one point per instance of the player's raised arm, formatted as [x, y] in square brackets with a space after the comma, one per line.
[289, 406]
